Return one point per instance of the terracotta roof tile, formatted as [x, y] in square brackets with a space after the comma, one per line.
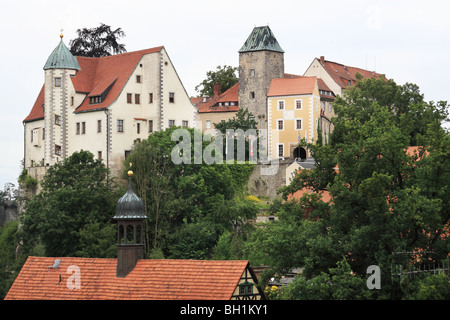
[292, 86]
[213, 104]
[342, 74]
[149, 280]
[95, 76]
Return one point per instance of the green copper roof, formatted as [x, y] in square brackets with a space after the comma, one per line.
[260, 39]
[62, 58]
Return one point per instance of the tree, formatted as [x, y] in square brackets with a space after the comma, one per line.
[387, 201]
[224, 75]
[76, 200]
[178, 195]
[97, 42]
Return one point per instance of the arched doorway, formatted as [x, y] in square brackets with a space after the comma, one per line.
[300, 154]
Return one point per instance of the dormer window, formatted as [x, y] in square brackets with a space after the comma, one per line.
[95, 100]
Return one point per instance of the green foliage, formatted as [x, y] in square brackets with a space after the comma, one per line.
[76, 199]
[97, 42]
[339, 284]
[224, 75]
[435, 287]
[177, 197]
[384, 199]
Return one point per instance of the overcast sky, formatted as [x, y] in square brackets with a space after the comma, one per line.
[409, 41]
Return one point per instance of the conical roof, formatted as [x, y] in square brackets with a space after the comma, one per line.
[62, 58]
[130, 206]
[260, 39]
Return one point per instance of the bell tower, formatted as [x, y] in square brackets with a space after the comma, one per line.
[261, 59]
[130, 216]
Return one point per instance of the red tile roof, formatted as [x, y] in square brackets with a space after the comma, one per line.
[342, 74]
[97, 75]
[37, 112]
[292, 86]
[149, 280]
[212, 104]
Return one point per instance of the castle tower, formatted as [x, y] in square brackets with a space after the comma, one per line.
[130, 216]
[60, 66]
[261, 59]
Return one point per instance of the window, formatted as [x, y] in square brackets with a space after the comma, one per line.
[138, 79]
[298, 104]
[129, 98]
[99, 155]
[95, 100]
[330, 107]
[281, 150]
[83, 128]
[252, 72]
[119, 125]
[57, 120]
[57, 82]
[127, 154]
[137, 98]
[171, 123]
[184, 123]
[99, 126]
[32, 136]
[57, 150]
[252, 95]
[150, 125]
[138, 128]
[171, 97]
[78, 128]
[43, 133]
[280, 125]
[298, 124]
[208, 124]
[150, 98]
[71, 101]
[281, 105]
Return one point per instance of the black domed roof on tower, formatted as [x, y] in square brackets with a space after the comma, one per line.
[260, 39]
[130, 206]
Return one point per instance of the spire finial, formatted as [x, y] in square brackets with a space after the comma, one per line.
[61, 35]
[130, 172]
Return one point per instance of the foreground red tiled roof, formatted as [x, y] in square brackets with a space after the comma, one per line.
[292, 86]
[150, 280]
[342, 74]
[97, 75]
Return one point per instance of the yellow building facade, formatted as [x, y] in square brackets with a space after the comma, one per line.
[293, 114]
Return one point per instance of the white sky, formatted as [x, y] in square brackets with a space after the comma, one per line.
[408, 40]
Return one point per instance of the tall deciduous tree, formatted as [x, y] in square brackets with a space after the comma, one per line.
[72, 215]
[224, 75]
[97, 42]
[389, 202]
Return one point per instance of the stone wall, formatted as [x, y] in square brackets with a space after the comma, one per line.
[267, 179]
[8, 212]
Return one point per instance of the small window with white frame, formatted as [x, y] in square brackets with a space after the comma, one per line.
[280, 125]
[280, 150]
[298, 124]
[298, 104]
[281, 105]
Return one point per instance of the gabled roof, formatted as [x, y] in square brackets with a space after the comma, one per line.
[342, 74]
[261, 39]
[292, 86]
[105, 76]
[213, 104]
[151, 279]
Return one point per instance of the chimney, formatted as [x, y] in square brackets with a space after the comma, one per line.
[322, 60]
[217, 90]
